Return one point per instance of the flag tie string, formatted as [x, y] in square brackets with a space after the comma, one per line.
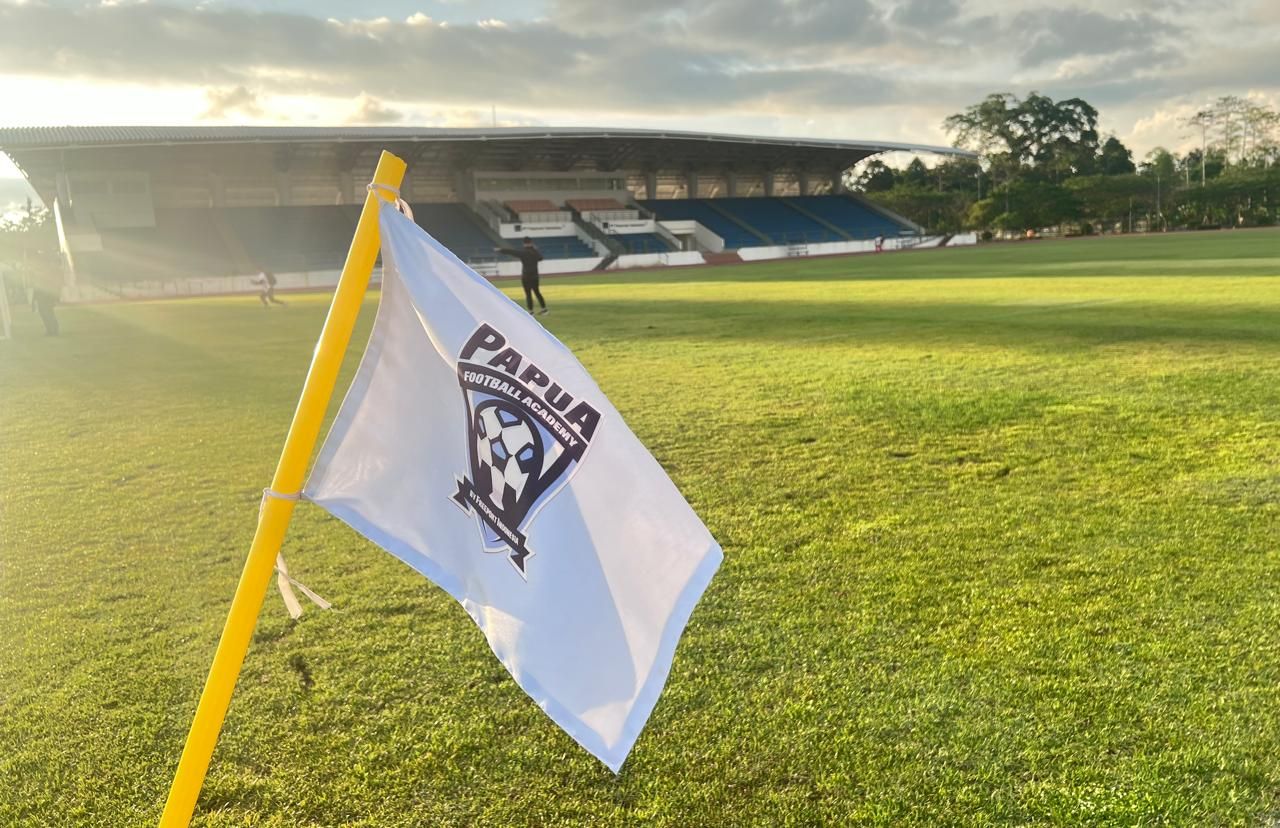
[401, 204]
[284, 581]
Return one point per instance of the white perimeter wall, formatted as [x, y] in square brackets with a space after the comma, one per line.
[756, 254]
[327, 279]
[688, 227]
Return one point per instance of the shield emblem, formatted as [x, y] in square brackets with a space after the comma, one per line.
[521, 453]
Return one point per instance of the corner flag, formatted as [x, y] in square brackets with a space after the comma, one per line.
[474, 447]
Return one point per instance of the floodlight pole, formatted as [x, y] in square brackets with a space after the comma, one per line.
[278, 503]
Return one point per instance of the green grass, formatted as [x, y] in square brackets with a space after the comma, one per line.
[999, 531]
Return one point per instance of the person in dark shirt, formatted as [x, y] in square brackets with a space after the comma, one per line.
[529, 256]
[266, 281]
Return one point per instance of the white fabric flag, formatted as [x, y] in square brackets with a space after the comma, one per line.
[473, 446]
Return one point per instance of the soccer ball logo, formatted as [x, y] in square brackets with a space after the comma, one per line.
[508, 457]
[523, 442]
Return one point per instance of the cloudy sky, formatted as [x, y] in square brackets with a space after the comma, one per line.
[884, 69]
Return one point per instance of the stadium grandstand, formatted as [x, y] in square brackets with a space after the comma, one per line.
[172, 210]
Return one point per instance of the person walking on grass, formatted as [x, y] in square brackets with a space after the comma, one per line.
[267, 281]
[529, 256]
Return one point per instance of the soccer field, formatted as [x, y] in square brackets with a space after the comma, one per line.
[1000, 535]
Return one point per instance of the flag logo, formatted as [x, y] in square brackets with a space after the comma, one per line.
[526, 436]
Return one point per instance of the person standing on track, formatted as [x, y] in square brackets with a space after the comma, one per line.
[267, 281]
[529, 256]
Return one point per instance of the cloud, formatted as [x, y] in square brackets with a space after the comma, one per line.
[924, 14]
[370, 110]
[236, 100]
[509, 64]
[1058, 34]
[774, 26]
[855, 62]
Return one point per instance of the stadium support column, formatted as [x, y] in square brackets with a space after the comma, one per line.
[650, 184]
[217, 190]
[802, 181]
[60, 222]
[344, 169]
[464, 186]
[282, 163]
[731, 184]
[283, 195]
[346, 182]
[63, 186]
[691, 183]
[837, 182]
[767, 180]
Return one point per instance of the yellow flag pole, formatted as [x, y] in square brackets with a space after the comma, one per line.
[277, 506]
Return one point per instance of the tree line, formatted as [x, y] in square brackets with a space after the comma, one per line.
[1043, 164]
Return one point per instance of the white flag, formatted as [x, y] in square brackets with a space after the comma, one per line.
[475, 448]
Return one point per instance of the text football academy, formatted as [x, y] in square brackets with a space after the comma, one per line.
[525, 437]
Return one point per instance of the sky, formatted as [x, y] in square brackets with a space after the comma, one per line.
[860, 69]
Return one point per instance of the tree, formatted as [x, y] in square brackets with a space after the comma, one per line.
[1227, 115]
[1114, 199]
[1202, 120]
[1241, 196]
[1159, 163]
[959, 175]
[1262, 133]
[916, 174]
[1161, 166]
[1025, 205]
[937, 198]
[1114, 158]
[1057, 138]
[876, 177]
[29, 229]
[988, 128]
[939, 211]
[1029, 145]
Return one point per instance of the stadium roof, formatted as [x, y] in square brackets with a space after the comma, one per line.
[72, 137]
[181, 157]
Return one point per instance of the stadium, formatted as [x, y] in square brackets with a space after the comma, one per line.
[827, 482]
[153, 211]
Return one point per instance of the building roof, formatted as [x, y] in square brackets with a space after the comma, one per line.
[74, 137]
[183, 158]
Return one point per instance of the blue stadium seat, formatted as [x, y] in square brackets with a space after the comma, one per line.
[851, 216]
[778, 221]
[284, 239]
[684, 209]
[562, 247]
[457, 228]
[643, 243]
[183, 243]
[186, 242]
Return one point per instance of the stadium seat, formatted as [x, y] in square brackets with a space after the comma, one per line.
[457, 228]
[183, 243]
[683, 209]
[850, 215]
[778, 221]
[291, 238]
[532, 205]
[583, 205]
[643, 243]
[563, 247]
